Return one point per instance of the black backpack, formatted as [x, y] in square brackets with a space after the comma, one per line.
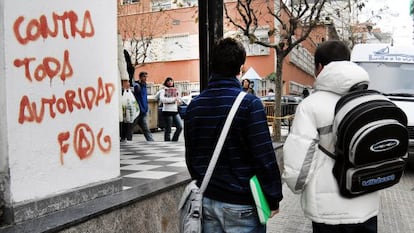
[372, 141]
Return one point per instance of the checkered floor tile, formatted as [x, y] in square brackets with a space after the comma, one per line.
[143, 162]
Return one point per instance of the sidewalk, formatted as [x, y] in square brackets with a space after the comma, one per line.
[396, 210]
[396, 203]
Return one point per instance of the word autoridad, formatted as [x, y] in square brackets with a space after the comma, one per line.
[80, 99]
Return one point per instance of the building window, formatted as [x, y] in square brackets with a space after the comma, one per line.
[125, 2]
[255, 49]
[303, 59]
[296, 88]
[158, 5]
[189, 3]
[176, 47]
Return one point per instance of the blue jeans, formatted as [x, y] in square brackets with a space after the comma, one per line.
[220, 217]
[169, 118]
[143, 124]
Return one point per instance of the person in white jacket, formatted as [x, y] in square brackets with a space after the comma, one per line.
[170, 98]
[308, 170]
[125, 129]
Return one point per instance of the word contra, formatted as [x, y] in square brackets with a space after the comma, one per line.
[36, 28]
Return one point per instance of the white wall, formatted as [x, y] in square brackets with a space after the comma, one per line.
[62, 130]
[3, 147]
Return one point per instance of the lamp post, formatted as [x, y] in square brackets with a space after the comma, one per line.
[210, 19]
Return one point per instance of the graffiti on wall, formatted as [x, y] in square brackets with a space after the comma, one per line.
[83, 139]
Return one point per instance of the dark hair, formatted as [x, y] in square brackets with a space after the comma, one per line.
[129, 66]
[245, 80]
[331, 50]
[228, 56]
[168, 79]
[142, 74]
[305, 92]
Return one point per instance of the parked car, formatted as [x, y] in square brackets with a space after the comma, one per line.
[187, 99]
[285, 99]
[288, 106]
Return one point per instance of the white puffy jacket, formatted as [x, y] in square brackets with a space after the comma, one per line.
[308, 170]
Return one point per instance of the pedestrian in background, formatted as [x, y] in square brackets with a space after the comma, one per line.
[247, 86]
[140, 92]
[130, 67]
[170, 98]
[129, 112]
[228, 204]
[305, 93]
[307, 169]
[124, 83]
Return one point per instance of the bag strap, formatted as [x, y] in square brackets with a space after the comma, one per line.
[327, 152]
[221, 140]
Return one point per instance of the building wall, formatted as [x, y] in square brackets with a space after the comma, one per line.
[156, 213]
[182, 22]
[57, 84]
[187, 70]
[4, 164]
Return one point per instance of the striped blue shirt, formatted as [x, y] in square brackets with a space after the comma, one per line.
[247, 151]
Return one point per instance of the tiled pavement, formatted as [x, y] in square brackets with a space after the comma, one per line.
[143, 162]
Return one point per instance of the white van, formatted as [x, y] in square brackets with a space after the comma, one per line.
[391, 71]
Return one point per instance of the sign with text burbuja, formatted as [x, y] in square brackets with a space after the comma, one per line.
[61, 95]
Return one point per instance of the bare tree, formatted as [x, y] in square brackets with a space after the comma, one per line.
[140, 27]
[295, 21]
[144, 30]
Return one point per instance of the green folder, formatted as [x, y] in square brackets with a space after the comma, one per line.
[263, 210]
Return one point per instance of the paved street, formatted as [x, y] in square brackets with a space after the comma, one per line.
[396, 213]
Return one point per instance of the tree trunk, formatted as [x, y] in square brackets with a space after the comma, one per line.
[278, 97]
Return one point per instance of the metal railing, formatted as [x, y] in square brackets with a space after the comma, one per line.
[287, 112]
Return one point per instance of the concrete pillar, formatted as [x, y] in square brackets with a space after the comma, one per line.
[59, 105]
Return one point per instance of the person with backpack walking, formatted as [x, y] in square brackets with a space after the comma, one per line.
[307, 168]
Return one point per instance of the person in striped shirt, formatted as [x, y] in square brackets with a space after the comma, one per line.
[228, 205]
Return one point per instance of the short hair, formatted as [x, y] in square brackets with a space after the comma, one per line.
[142, 74]
[331, 50]
[228, 56]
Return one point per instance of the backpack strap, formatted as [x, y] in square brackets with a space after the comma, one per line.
[359, 86]
[322, 131]
[220, 142]
[328, 153]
